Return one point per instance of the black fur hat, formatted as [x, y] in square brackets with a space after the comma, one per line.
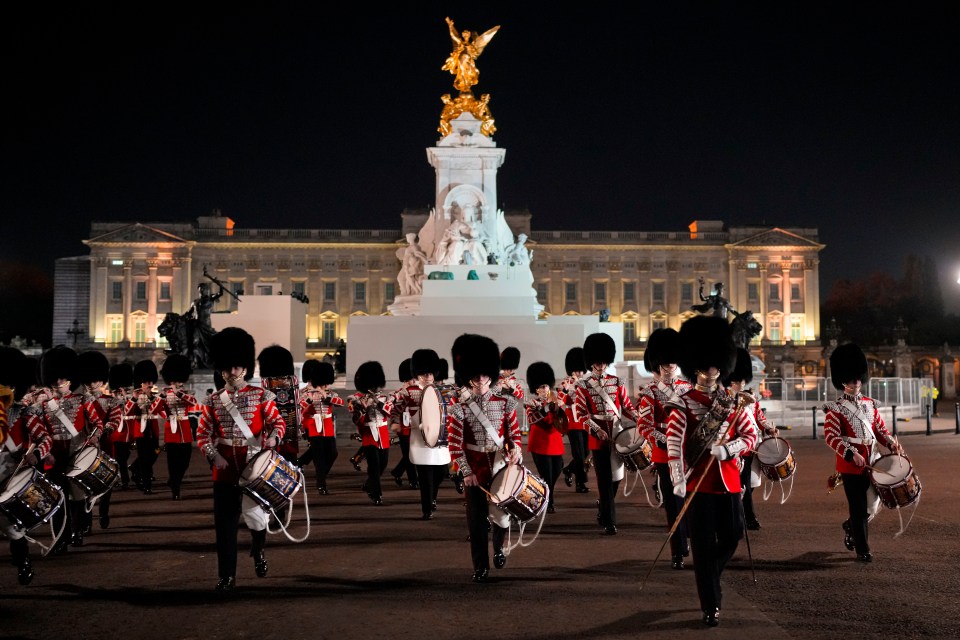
[539, 374]
[176, 368]
[275, 361]
[92, 366]
[424, 361]
[706, 341]
[742, 370]
[574, 361]
[12, 362]
[510, 358]
[663, 347]
[29, 375]
[646, 362]
[317, 373]
[479, 355]
[121, 376]
[599, 348]
[56, 363]
[405, 370]
[145, 371]
[443, 369]
[848, 362]
[369, 377]
[233, 347]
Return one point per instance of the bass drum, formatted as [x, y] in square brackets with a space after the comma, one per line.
[434, 408]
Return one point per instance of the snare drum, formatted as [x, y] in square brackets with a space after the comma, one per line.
[93, 471]
[519, 492]
[270, 480]
[434, 407]
[776, 458]
[896, 482]
[634, 450]
[29, 499]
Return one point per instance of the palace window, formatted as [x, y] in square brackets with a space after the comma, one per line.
[796, 329]
[753, 292]
[657, 295]
[114, 329]
[773, 328]
[570, 289]
[389, 292]
[329, 291]
[140, 330]
[629, 330]
[116, 290]
[795, 292]
[774, 290]
[141, 290]
[359, 292]
[164, 291]
[600, 291]
[542, 293]
[329, 332]
[629, 291]
[686, 292]
[299, 287]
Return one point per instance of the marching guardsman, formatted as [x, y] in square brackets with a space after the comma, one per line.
[853, 428]
[484, 433]
[603, 402]
[705, 436]
[545, 440]
[661, 358]
[146, 424]
[507, 382]
[370, 410]
[401, 427]
[93, 372]
[21, 433]
[174, 403]
[121, 440]
[736, 382]
[278, 375]
[576, 430]
[316, 413]
[72, 422]
[236, 423]
[443, 372]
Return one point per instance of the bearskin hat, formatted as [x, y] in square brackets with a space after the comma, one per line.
[369, 377]
[405, 370]
[478, 355]
[121, 376]
[424, 361]
[599, 348]
[233, 347]
[742, 370]
[317, 373]
[218, 380]
[176, 368]
[848, 362]
[145, 371]
[646, 362]
[12, 362]
[92, 366]
[663, 347]
[57, 363]
[539, 374]
[29, 375]
[275, 361]
[443, 369]
[510, 358]
[706, 341]
[574, 361]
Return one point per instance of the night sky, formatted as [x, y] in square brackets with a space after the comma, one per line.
[844, 117]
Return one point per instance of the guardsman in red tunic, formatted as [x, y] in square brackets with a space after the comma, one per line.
[545, 440]
[175, 403]
[603, 402]
[661, 358]
[21, 432]
[707, 467]
[853, 428]
[73, 422]
[121, 440]
[483, 434]
[407, 379]
[576, 430]
[236, 423]
[316, 414]
[370, 410]
[93, 371]
[147, 425]
[278, 375]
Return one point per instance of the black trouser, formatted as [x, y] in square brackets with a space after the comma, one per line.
[227, 497]
[103, 504]
[122, 456]
[578, 450]
[405, 466]
[376, 462]
[672, 505]
[178, 461]
[430, 475]
[477, 524]
[146, 457]
[716, 527]
[747, 493]
[19, 552]
[855, 485]
[549, 467]
[69, 517]
[606, 486]
[322, 452]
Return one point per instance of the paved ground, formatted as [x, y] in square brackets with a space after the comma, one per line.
[369, 571]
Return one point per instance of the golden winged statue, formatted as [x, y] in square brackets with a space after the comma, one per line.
[467, 47]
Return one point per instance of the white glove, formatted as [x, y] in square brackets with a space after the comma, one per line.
[677, 478]
[219, 461]
[720, 452]
[270, 443]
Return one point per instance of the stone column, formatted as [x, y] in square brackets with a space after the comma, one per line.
[151, 335]
[764, 299]
[127, 299]
[98, 310]
[811, 296]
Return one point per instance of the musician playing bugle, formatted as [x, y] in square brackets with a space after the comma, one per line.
[174, 403]
[121, 387]
[316, 414]
[401, 424]
[93, 370]
[576, 431]
[545, 441]
[370, 410]
[146, 424]
[705, 435]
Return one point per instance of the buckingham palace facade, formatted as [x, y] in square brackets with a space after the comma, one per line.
[115, 297]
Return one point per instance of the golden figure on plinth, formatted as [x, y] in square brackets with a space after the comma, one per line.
[462, 63]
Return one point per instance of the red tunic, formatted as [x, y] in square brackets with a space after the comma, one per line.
[406, 400]
[175, 408]
[543, 437]
[854, 423]
[652, 414]
[574, 419]
[366, 425]
[319, 423]
[471, 447]
[591, 405]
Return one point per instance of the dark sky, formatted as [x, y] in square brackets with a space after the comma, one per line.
[840, 116]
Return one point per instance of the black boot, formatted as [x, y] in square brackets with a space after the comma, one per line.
[21, 559]
[256, 551]
[25, 572]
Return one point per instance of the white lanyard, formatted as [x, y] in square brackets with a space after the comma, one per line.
[55, 408]
[482, 417]
[238, 419]
[606, 399]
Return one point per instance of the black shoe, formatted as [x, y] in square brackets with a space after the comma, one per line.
[847, 538]
[398, 480]
[148, 492]
[25, 572]
[753, 525]
[414, 485]
[550, 509]
[356, 464]
[260, 564]
[427, 516]
[61, 546]
[88, 527]
[677, 562]
[499, 559]
[711, 618]
[610, 531]
[377, 500]
[226, 584]
[481, 575]
[433, 505]
[568, 477]
[104, 521]
[77, 539]
[323, 490]
[656, 493]
[582, 488]
[865, 557]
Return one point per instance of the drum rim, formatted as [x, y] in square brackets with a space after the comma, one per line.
[4, 496]
[897, 480]
[522, 471]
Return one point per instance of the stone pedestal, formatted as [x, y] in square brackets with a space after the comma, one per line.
[270, 320]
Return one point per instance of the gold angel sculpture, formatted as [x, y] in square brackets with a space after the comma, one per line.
[467, 47]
